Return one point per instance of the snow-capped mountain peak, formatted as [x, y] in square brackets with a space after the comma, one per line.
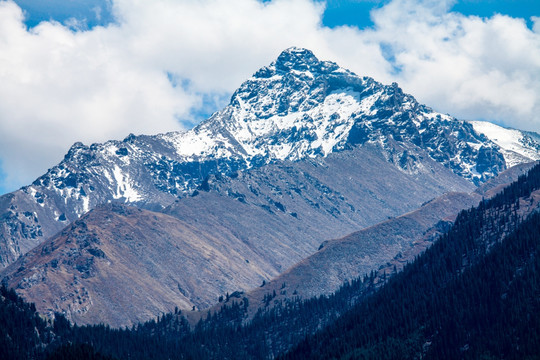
[298, 107]
[296, 59]
[515, 145]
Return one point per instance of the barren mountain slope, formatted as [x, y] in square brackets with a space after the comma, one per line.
[378, 248]
[120, 265]
[232, 234]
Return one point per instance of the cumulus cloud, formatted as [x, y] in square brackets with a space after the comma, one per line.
[468, 66]
[164, 61]
[58, 86]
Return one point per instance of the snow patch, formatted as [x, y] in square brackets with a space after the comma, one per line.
[124, 186]
[516, 146]
[86, 204]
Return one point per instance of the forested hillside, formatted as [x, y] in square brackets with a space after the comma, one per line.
[473, 294]
[468, 296]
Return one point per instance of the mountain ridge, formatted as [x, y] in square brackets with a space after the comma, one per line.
[306, 151]
[383, 248]
[263, 221]
[297, 107]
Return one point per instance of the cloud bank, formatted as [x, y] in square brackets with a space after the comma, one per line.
[165, 62]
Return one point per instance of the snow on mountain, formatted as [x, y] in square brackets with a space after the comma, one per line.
[516, 146]
[296, 108]
[304, 152]
[300, 107]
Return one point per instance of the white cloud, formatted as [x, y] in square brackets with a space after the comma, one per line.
[58, 86]
[467, 66]
[536, 24]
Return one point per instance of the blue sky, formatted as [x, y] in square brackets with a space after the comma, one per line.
[337, 13]
[94, 70]
[89, 13]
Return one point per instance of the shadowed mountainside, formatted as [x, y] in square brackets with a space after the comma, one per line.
[230, 236]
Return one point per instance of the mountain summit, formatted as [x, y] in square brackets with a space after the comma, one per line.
[296, 108]
[300, 107]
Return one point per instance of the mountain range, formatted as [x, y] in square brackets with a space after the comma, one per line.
[473, 294]
[307, 162]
